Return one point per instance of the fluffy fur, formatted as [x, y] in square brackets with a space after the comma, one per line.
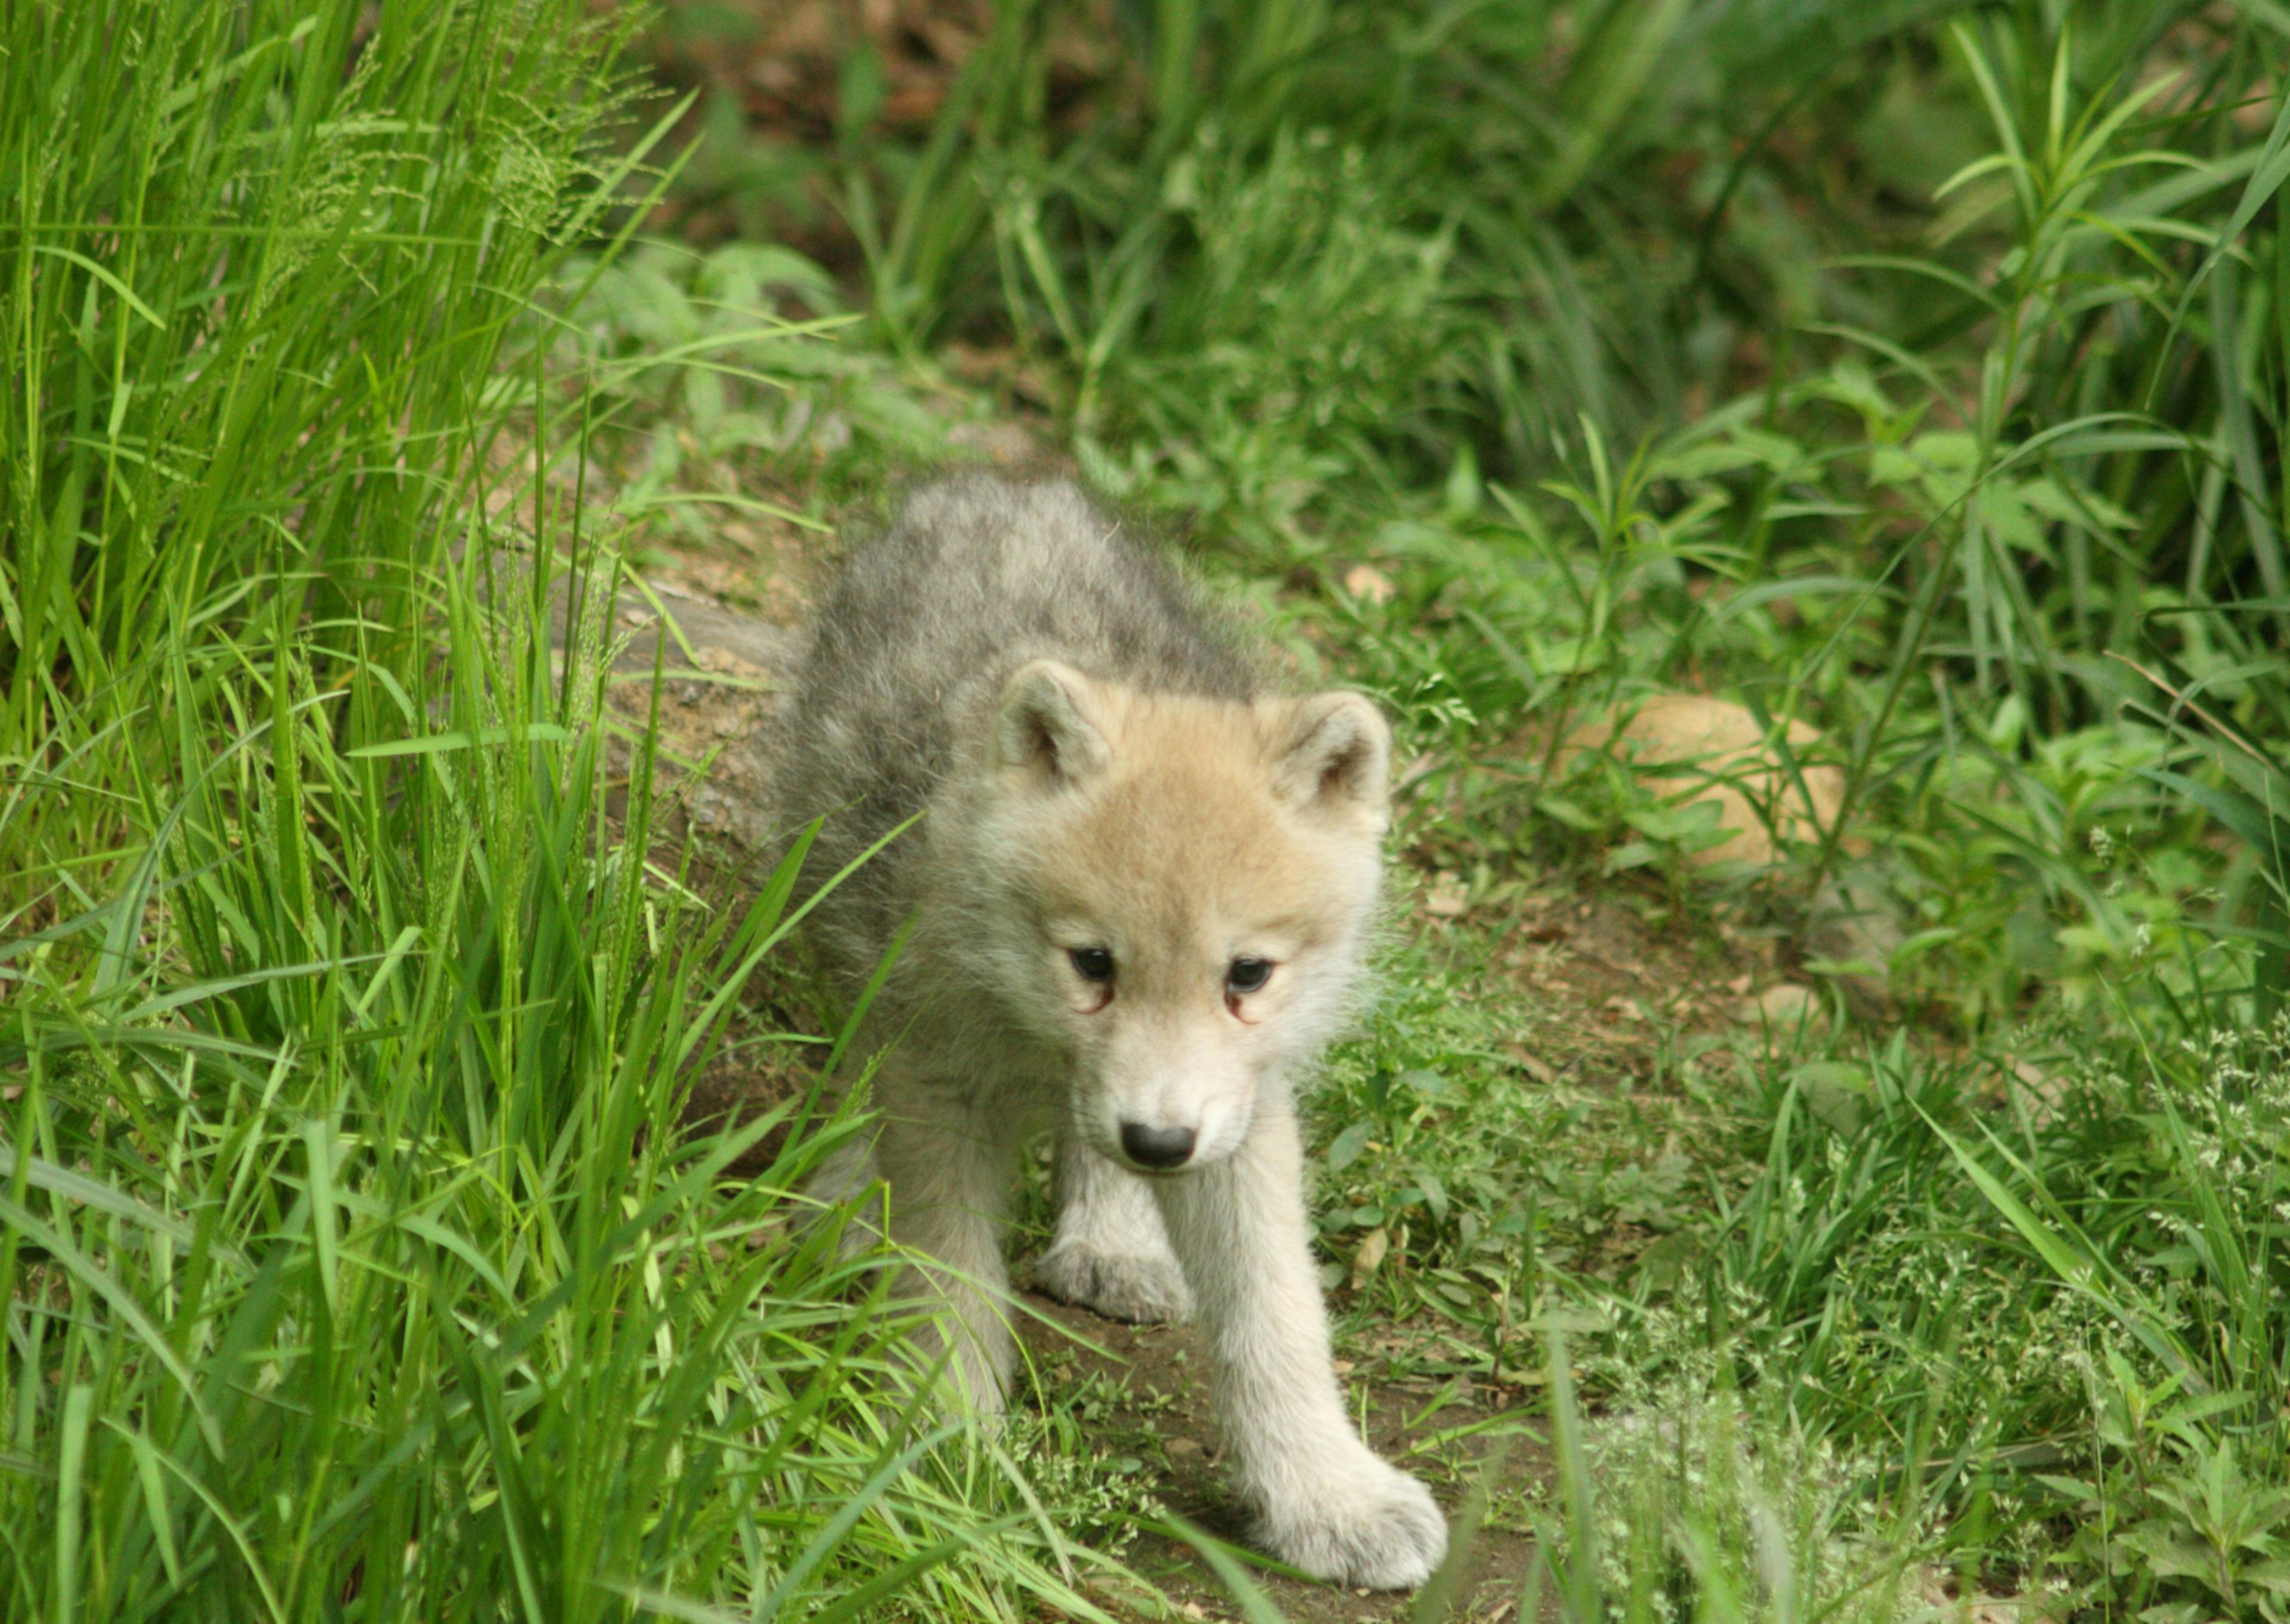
[1105, 785]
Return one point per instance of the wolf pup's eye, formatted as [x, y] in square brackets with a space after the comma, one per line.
[1091, 965]
[1246, 975]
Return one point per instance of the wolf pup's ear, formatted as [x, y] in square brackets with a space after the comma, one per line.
[1043, 727]
[1336, 755]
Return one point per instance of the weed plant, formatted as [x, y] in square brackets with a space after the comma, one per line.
[721, 375]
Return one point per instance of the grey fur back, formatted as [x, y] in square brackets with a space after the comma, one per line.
[977, 576]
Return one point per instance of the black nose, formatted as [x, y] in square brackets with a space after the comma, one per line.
[1157, 1147]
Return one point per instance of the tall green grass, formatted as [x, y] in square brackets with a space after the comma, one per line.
[354, 1259]
[260, 262]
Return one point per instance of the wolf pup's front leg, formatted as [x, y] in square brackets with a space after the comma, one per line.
[1322, 1500]
[1111, 1253]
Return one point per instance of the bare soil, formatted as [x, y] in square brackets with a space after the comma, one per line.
[1163, 1373]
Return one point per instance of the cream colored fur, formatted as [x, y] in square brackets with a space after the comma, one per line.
[1177, 832]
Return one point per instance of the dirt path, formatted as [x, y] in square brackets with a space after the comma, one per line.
[1160, 1414]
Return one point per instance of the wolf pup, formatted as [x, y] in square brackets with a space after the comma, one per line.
[1138, 900]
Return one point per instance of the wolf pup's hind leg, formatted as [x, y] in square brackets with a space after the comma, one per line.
[1323, 1499]
[948, 1167]
[1112, 1254]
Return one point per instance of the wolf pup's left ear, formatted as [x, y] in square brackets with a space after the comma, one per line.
[1044, 726]
[1336, 755]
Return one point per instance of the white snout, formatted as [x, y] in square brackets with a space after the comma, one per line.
[1169, 1119]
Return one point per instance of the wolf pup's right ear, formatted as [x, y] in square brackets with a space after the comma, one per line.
[1043, 727]
[1336, 755]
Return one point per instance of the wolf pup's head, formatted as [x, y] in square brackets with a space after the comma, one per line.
[1178, 891]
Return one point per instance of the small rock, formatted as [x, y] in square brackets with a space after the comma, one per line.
[1370, 1254]
[1693, 747]
[1783, 1006]
[1367, 583]
[1183, 1451]
[725, 662]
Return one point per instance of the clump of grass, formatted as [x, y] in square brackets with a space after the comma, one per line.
[1462, 1200]
[1298, 340]
[1698, 1506]
[1095, 1473]
[355, 1249]
[726, 380]
[2065, 1324]
[264, 259]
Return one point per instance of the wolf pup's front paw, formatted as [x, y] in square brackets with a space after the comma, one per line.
[1143, 1290]
[1370, 1525]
